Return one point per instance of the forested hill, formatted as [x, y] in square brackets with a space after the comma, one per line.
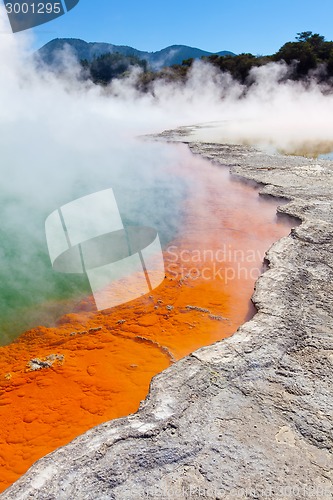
[175, 54]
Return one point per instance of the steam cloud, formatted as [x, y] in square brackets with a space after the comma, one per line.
[62, 138]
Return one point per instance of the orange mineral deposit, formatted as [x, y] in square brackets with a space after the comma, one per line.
[56, 383]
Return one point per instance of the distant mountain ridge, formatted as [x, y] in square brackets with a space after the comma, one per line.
[175, 54]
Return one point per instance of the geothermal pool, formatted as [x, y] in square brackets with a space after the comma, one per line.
[90, 367]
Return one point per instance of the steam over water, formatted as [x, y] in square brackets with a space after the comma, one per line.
[61, 138]
[31, 292]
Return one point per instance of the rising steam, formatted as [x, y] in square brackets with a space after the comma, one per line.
[62, 138]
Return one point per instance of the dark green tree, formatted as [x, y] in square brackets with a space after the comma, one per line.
[303, 36]
[106, 67]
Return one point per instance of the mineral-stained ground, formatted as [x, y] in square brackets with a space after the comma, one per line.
[249, 416]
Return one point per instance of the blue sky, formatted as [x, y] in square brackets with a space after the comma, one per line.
[257, 26]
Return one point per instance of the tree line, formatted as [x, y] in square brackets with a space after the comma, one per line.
[309, 56]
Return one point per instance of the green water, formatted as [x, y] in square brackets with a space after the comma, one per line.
[31, 292]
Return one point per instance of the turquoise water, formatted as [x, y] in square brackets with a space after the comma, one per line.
[31, 293]
[27, 280]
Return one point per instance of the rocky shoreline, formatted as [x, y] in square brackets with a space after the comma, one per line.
[250, 416]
